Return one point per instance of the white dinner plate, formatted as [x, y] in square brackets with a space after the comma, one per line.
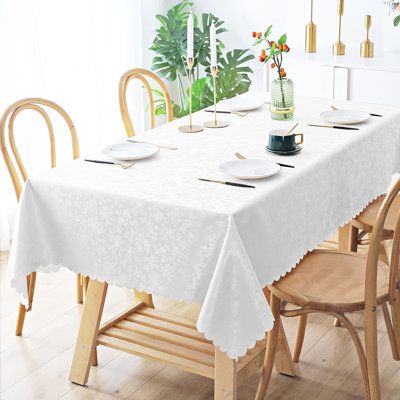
[131, 151]
[245, 102]
[250, 169]
[347, 117]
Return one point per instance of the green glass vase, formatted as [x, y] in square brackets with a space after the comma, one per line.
[282, 105]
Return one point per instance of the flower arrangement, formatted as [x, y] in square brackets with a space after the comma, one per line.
[273, 50]
[282, 106]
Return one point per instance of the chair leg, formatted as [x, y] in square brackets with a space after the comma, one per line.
[353, 246]
[94, 357]
[391, 333]
[383, 254]
[371, 351]
[396, 319]
[31, 283]
[301, 331]
[85, 280]
[271, 350]
[353, 239]
[79, 289]
[360, 352]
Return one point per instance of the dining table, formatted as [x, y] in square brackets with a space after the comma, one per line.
[157, 229]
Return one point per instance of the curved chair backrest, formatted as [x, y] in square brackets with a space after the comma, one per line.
[10, 115]
[142, 75]
[373, 253]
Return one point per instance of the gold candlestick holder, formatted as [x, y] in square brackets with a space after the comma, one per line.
[190, 128]
[367, 47]
[339, 48]
[215, 123]
[311, 33]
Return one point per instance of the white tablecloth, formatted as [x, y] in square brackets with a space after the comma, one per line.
[156, 228]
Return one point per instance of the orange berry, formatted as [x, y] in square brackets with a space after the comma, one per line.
[273, 65]
[285, 47]
[262, 58]
[283, 74]
[259, 34]
[263, 52]
[254, 34]
[282, 70]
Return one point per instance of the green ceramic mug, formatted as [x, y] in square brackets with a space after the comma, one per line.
[279, 140]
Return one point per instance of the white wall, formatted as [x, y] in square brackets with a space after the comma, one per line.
[243, 17]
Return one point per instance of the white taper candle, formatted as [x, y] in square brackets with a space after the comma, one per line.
[190, 36]
[213, 45]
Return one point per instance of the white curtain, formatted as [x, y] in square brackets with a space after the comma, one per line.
[72, 52]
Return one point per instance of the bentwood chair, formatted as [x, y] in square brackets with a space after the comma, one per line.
[142, 75]
[337, 282]
[361, 226]
[7, 130]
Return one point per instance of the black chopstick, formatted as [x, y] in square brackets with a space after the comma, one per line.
[345, 127]
[375, 115]
[239, 185]
[227, 183]
[219, 111]
[335, 127]
[285, 165]
[100, 161]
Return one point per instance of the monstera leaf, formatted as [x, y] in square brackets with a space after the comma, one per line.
[170, 42]
[232, 78]
[170, 61]
[202, 38]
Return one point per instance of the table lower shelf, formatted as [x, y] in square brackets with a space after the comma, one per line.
[153, 334]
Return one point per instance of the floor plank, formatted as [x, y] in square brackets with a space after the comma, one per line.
[37, 363]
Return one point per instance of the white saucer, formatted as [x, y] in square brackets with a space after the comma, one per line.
[131, 151]
[246, 102]
[250, 169]
[347, 117]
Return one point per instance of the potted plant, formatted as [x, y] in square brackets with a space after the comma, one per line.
[282, 106]
[170, 61]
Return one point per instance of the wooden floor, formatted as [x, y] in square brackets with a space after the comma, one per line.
[36, 365]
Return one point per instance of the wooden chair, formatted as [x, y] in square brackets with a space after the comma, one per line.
[361, 226]
[35, 104]
[142, 75]
[337, 282]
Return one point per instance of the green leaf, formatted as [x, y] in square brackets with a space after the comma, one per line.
[282, 39]
[202, 39]
[268, 31]
[170, 61]
[396, 21]
[170, 42]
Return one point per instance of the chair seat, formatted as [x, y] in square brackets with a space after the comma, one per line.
[366, 219]
[330, 280]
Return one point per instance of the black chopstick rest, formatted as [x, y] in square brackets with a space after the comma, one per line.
[375, 115]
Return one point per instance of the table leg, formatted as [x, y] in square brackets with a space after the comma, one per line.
[89, 326]
[225, 385]
[344, 237]
[143, 297]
